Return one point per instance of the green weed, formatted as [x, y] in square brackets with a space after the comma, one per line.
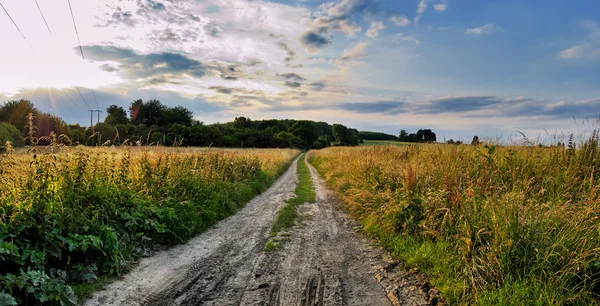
[304, 193]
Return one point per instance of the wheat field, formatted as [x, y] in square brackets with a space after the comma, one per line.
[489, 225]
[71, 215]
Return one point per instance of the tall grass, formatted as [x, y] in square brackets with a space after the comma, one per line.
[72, 216]
[489, 225]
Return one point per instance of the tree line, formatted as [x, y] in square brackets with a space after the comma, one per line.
[151, 122]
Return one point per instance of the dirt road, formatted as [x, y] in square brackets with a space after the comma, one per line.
[325, 262]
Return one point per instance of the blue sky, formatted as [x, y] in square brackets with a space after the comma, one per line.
[459, 67]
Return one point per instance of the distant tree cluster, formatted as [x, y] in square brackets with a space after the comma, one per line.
[9, 132]
[14, 117]
[366, 135]
[345, 136]
[420, 136]
[474, 142]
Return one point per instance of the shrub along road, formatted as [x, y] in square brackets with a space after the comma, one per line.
[324, 262]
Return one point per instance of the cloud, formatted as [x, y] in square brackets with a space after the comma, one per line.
[375, 28]
[313, 41]
[136, 65]
[317, 86]
[155, 5]
[346, 8]
[479, 106]
[290, 53]
[422, 7]
[401, 37]
[333, 17]
[352, 56]
[372, 107]
[221, 89]
[456, 104]
[482, 30]
[120, 16]
[108, 68]
[588, 49]
[440, 7]
[292, 84]
[399, 20]
[291, 75]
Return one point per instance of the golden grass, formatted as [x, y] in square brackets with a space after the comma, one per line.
[489, 225]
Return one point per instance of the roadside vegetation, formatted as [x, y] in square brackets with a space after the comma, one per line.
[80, 214]
[288, 214]
[488, 225]
[367, 143]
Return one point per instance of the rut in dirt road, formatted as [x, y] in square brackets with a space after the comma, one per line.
[325, 262]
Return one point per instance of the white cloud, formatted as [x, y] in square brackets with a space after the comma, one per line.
[422, 7]
[588, 49]
[400, 20]
[375, 28]
[401, 37]
[351, 57]
[482, 30]
[440, 7]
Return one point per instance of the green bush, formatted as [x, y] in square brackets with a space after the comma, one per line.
[9, 132]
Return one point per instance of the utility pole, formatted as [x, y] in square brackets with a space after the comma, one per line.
[98, 111]
[92, 117]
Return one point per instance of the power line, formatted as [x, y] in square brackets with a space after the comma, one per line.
[70, 98]
[16, 26]
[82, 98]
[39, 9]
[93, 94]
[76, 32]
[80, 49]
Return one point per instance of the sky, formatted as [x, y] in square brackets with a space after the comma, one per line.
[458, 67]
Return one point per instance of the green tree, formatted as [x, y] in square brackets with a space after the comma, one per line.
[345, 136]
[403, 135]
[179, 115]
[15, 113]
[152, 112]
[306, 130]
[9, 132]
[242, 123]
[116, 115]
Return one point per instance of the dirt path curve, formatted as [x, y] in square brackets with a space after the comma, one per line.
[324, 263]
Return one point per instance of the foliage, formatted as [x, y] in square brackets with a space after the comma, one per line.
[9, 132]
[76, 215]
[306, 131]
[16, 113]
[420, 136]
[116, 115]
[489, 225]
[366, 135]
[345, 136]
